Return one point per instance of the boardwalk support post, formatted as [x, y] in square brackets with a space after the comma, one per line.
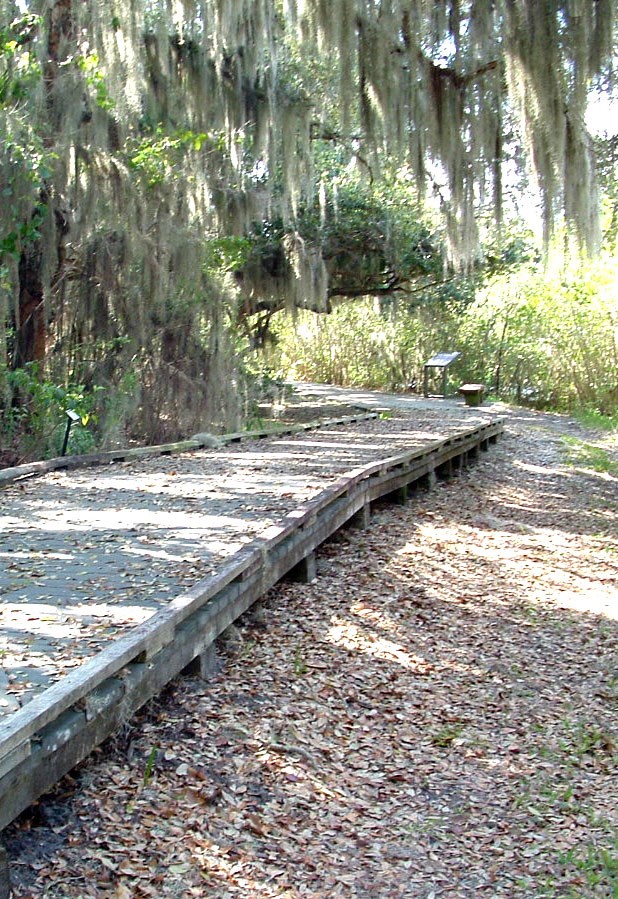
[203, 665]
[399, 496]
[361, 519]
[5, 877]
[305, 572]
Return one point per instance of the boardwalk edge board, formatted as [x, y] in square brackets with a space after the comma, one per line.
[19, 473]
[58, 728]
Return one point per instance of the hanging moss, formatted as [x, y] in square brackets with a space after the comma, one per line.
[432, 75]
[136, 131]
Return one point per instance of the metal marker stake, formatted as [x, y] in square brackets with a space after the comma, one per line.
[72, 416]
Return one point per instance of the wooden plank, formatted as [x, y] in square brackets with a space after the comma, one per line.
[15, 757]
[75, 685]
[241, 580]
[5, 877]
[31, 469]
[68, 739]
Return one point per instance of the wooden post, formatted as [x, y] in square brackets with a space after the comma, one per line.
[203, 665]
[362, 518]
[5, 876]
[399, 496]
[305, 572]
[428, 481]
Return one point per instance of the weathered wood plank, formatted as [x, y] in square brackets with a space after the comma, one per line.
[75, 685]
[108, 457]
[42, 741]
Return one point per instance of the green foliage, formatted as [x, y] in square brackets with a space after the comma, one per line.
[25, 233]
[607, 164]
[19, 69]
[227, 253]
[372, 239]
[150, 766]
[360, 344]
[592, 418]
[157, 156]
[111, 240]
[260, 384]
[530, 337]
[34, 412]
[446, 735]
[90, 66]
[597, 867]
[26, 161]
[300, 666]
[547, 339]
[586, 455]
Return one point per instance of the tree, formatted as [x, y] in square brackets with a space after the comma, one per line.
[367, 243]
[137, 135]
[447, 84]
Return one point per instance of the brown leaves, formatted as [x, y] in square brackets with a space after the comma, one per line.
[430, 718]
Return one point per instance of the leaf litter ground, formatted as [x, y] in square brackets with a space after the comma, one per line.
[435, 716]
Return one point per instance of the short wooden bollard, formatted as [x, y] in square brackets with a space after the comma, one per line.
[472, 394]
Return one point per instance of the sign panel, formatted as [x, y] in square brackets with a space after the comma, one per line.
[441, 360]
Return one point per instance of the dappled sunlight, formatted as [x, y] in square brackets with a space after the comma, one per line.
[416, 709]
[41, 619]
[36, 555]
[542, 564]
[328, 444]
[160, 554]
[601, 601]
[346, 635]
[84, 519]
[599, 475]
[42, 641]
[372, 615]
[545, 469]
[388, 442]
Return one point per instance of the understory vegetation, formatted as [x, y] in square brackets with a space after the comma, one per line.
[529, 337]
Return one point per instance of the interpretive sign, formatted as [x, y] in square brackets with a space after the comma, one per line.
[440, 361]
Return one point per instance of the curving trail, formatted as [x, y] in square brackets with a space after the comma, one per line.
[435, 716]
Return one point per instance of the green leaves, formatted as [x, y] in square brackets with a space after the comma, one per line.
[227, 253]
[158, 156]
[90, 66]
[580, 454]
[19, 69]
[39, 407]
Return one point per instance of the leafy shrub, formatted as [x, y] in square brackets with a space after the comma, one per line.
[34, 413]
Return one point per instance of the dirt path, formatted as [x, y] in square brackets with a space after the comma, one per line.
[436, 716]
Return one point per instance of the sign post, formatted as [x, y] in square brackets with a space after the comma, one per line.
[440, 361]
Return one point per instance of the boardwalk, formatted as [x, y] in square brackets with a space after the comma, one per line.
[87, 554]
[117, 578]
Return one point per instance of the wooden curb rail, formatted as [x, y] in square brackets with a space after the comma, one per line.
[108, 457]
[58, 728]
